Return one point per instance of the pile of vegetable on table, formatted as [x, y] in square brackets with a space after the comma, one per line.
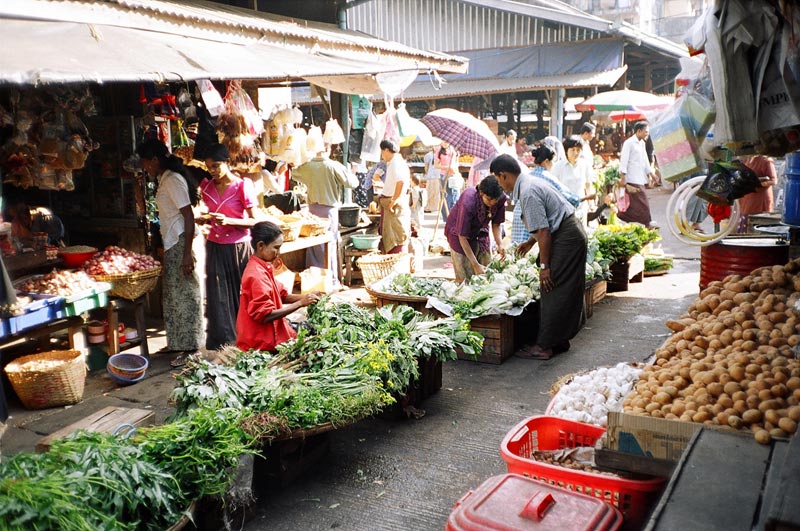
[506, 288]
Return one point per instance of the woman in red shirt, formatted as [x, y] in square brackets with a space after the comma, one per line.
[264, 302]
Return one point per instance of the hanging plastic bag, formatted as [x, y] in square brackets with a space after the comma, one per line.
[373, 135]
[392, 131]
[333, 132]
[314, 141]
[211, 97]
[623, 200]
[237, 97]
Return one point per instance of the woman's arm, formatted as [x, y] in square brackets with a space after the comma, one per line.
[294, 303]
[249, 220]
[498, 239]
[188, 262]
[465, 246]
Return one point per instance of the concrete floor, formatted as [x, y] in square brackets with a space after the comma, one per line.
[406, 475]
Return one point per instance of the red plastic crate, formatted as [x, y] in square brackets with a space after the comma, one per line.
[541, 433]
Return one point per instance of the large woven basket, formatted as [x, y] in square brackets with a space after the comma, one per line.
[48, 379]
[376, 266]
[131, 286]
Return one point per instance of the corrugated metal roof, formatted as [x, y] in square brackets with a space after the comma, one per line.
[421, 91]
[449, 25]
[98, 53]
[226, 24]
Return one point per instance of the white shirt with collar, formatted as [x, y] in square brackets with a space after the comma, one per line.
[633, 161]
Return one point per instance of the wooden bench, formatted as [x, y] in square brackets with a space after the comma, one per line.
[105, 420]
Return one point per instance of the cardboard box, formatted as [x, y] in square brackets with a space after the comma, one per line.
[649, 436]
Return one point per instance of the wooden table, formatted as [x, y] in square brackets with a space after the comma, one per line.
[295, 260]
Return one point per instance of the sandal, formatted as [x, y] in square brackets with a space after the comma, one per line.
[179, 361]
[168, 351]
[534, 353]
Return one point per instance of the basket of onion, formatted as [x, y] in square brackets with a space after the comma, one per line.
[130, 274]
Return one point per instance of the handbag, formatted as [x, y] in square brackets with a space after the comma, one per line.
[623, 200]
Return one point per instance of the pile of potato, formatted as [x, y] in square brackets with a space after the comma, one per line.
[731, 360]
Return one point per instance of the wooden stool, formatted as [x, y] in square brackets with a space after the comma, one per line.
[350, 255]
[114, 304]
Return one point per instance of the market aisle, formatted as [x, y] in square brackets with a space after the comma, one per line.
[403, 475]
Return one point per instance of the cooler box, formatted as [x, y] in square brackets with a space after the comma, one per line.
[511, 502]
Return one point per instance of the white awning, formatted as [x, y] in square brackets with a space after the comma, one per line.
[66, 41]
[93, 53]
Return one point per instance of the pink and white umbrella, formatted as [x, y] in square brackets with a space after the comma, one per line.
[624, 100]
[464, 132]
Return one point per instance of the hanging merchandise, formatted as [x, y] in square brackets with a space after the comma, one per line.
[751, 47]
[48, 140]
[392, 132]
[240, 100]
[211, 98]
[178, 134]
[315, 142]
[727, 181]
[355, 143]
[206, 132]
[373, 135]
[361, 109]
[294, 147]
[333, 132]
[234, 132]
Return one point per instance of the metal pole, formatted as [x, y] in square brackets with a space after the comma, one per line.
[344, 99]
[557, 113]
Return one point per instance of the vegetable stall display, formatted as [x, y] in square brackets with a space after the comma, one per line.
[506, 288]
[347, 363]
[618, 243]
[143, 482]
[731, 360]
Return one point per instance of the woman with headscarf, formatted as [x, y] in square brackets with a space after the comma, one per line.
[176, 192]
[467, 227]
[230, 201]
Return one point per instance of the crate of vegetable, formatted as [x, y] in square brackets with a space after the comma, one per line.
[498, 339]
[595, 292]
[79, 291]
[39, 310]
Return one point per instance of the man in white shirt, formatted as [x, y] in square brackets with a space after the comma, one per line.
[587, 134]
[395, 210]
[634, 170]
[509, 145]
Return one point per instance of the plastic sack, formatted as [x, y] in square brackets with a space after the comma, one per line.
[392, 131]
[623, 200]
[333, 132]
[314, 140]
[316, 279]
[211, 98]
[294, 146]
[373, 135]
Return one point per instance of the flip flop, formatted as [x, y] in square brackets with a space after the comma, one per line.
[179, 361]
[168, 351]
[534, 353]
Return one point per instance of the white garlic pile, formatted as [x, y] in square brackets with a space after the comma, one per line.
[589, 397]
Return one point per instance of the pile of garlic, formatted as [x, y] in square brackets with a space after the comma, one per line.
[589, 397]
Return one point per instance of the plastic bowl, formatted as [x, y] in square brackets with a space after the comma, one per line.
[75, 260]
[128, 368]
[365, 242]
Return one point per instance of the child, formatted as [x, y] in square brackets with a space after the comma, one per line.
[261, 322]
[417, 202]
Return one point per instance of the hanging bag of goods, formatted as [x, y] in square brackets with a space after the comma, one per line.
[234, 129]
[241, 101]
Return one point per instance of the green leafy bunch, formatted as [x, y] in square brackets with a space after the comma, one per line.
[620, 242]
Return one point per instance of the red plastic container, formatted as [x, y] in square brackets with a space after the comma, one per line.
[511, 502]
[632, 497]
[76, 260]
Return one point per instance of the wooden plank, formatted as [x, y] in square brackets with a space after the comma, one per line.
[784, 512]
[614, 461]
[773, 493]
[716, 485]
[105, 420]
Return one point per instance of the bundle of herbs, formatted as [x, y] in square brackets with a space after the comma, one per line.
[88, 481]
[354, 363]
[620, 242]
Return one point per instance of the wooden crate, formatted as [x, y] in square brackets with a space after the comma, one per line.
[105, 420]
[595, 292]
[624, 272]
[498, 338]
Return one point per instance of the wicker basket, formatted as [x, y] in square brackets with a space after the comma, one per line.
[291, 231]
[315, 228]
[376, 266]
[131, 286]
[48, 379]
